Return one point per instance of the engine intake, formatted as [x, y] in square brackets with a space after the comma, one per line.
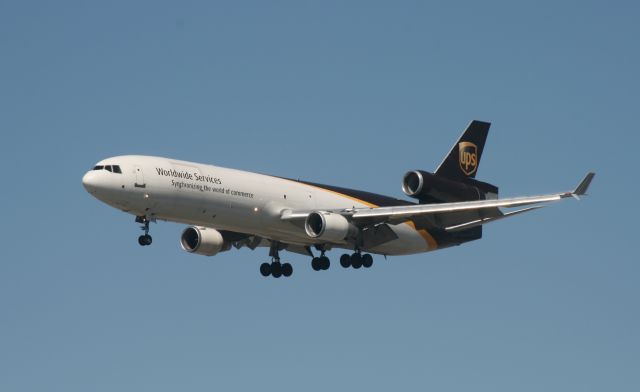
[429, 187]
[328, 226]
[203, 241]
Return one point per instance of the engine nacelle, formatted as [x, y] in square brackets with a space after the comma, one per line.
[203, 241]
[426, 186]
[329, 227]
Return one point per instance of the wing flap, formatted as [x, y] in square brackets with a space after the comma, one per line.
[377, 235]
[479, 222]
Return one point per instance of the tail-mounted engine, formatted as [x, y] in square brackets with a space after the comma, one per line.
[203, 241]
[432, 188]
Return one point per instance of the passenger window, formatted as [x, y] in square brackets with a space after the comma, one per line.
[116, 169]
[99, 167]
[108, 167]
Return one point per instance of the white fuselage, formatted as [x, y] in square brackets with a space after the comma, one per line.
[228, 199]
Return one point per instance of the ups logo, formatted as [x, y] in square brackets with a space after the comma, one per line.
[468, 153]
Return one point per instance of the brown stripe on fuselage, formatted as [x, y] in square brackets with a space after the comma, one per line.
[372, 200]
[433, 244]
[367, 198]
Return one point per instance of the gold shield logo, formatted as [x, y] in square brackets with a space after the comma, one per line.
[468, 153]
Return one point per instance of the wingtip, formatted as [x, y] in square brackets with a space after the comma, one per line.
[582, 188]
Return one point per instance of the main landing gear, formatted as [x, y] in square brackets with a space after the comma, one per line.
[321, 263]
[145, 239]
[356, 260]
[275, 268]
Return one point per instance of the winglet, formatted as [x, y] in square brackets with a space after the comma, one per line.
[581, 190]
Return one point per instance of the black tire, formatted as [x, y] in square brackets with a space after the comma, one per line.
[287, 270]
[345, 261]
[141, 241]
[276, 269]
[356, 260]
[265, 269]
[315, 264]
[325, 263]
[148, 240]
[367, 260]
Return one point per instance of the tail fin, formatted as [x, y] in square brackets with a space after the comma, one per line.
[464, 158]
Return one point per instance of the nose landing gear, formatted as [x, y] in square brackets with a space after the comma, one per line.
[145, 239]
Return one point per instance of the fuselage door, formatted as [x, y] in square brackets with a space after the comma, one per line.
[139, 178]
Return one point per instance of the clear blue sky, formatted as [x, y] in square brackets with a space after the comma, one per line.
[348, 93]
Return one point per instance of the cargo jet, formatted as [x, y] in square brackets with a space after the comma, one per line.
[227, 208]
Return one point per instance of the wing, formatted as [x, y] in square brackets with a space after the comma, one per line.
[449, 216]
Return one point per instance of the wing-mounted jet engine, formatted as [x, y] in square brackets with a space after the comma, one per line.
[203, 241]
[330, 227]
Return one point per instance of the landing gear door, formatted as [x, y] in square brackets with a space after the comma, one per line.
[145, 204]
[139, 178]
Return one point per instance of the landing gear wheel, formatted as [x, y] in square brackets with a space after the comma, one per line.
[287, 270]
[276, 269]
[356, 260]
[265, 269]
[145, 240]
[367, 260]
[345, 261]
[321, 263]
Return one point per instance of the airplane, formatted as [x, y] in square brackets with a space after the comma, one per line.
[227, 208]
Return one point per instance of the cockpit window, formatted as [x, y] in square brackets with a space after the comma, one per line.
[110, 168]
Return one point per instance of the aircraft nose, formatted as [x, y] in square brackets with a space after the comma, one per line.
[89, 181]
